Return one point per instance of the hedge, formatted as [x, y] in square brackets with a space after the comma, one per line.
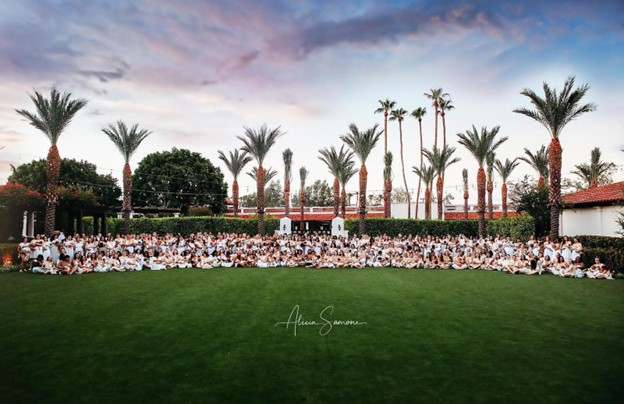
[616, 243]
[612, 258]
[517, 228]
[394, 227]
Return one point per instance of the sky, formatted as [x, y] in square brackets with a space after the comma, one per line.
[196, 72]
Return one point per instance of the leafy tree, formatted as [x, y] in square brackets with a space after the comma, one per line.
[179, 178]
[14, 200]
[52, 116]
[73, 174]
[399, 195]
[273, 195]
[317, 194]
[532, 199]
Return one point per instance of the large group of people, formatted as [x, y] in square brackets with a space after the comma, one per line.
[80, 254]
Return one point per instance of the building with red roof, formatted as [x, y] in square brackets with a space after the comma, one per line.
[592, 211]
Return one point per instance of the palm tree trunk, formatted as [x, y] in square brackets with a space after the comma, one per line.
[466, 204]
[439, 196]
[302, 206]
[344, 203]
[443, 130]
[127, 197]
[490, 190]
[388, 199]
[363, 180]
[481, 200]
[235, 196]
[409, 202]
[385, 132]
[287, 197]
[554, 161]
[53, 175]
[427, 203]
[435, 111]
[336, 196]
[504, 197]
[260, 199]
[421, 167]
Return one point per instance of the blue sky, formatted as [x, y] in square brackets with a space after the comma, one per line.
[196, 72]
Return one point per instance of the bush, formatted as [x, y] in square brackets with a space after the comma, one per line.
[201, 211]
[394, 227]
[611, 257]
[192, 224]
[521, 227]
[616, 243]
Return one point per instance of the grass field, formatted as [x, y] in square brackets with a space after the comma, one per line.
[211, 336]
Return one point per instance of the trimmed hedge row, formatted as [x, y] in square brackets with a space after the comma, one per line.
[612, 258]
[616, 243]
[517, 228]
[394, 227]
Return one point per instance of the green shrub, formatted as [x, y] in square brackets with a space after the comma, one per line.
[201, 211]
[616, 243]
[191, 224]
[611, 257]
[394, 227]
[521, 227]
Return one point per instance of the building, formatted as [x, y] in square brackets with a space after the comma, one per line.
[592, 211]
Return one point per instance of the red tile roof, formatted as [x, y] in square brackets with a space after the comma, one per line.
[597, 196]
[475, 216]
[317, 217]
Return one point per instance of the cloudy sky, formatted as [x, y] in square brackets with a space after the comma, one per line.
[196, 72]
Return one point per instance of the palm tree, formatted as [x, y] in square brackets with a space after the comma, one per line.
[539, 162]
[435, 96]
[387, 185]
[596, 172]
[385, 107]
[287, 157]
[504, 170]
[362, 143]
[235, 164]
[440, 160]
[465, 179]
[419, 113]
[52, 116]
[269, 174]
[426, 174]
[445, 105]
[479, 145]
[555, 111]
[258, 142]
[303, 174]
[489, 160]
[347, 171]
[334, 159]
[127, 141]
[398, 115]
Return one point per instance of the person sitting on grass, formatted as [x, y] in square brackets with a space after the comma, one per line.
[36, 265]
[459, 262]
[598, 270]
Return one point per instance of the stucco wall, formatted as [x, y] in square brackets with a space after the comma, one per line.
[596, 221]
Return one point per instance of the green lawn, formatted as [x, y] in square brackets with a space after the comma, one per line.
[210, 336]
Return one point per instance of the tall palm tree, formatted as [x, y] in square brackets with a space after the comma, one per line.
[504, 170]
[235, 163]
[303, 174]
[347, 171]
[445, 104]
[596, 171]
[440, 160]
[51, 117]
[387, 185]
[362, 143]
[539, 162]
[269, 174]
[398, 115]
[127, 141]
[479, 145]
[435, 95]
[334, 159]
[489, 160]
[465, 180]
[287, 157]
[555, 111]
[385, 106]
[258, 142]
[427, 175]
[419, 113]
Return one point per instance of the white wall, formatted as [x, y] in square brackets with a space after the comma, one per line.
[399, 210]
[595, 221]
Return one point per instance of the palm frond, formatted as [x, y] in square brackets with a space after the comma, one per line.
[538, 160]
[419, 113]
[385, 106]
[334, 159]
[397, 114]
[287, 156]
[362, 143]
[480, 144]
[504, 169]
[387, 173]
[303, 175]
[269, 174]
[126, 139]
[427, 174]
[258, 142]
[235, 162]
[441, 159]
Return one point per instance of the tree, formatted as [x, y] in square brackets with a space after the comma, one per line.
[362, 143]
[489, 160]
[427, 174]
[287, 157]
[440, 160]
[445, 104]
[258, 142]
[479, 145]
[179, 178]
[52, 116]
[466, 196]
[334, 159]
[435, 95]
[73, 174]
[14, 200]
[303, 174]
[554, 111]
[399, 195]
[398, 115]
[269, 174]
[539, 162]
[419, 113]
[532, 199]
[273, 195]
[504, 170]
[597, 172]
[387, 195]
[235, 163]
[347, 171]
[127, 140]
[317, 194]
